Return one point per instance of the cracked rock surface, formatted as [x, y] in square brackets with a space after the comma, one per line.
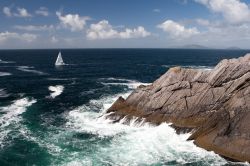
[214, 104]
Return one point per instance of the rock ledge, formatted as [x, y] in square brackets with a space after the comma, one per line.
[214, 104]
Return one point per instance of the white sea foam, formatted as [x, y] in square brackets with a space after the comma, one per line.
[30, 69]
[131, 84]
[191, 67]
[56, 90]
[10, 118]
[61, 79]
[136, 143]
[1, 61]
[3, 93]
[4, 74]
[117, 79]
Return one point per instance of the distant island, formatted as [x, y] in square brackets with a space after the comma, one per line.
[197, 46]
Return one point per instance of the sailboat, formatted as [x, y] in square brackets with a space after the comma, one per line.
[59, 60]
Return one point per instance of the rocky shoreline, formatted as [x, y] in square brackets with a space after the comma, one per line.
[214, 105]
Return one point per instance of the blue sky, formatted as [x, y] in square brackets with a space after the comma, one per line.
[124, 23]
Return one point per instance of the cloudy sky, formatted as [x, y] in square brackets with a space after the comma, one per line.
[124, 23]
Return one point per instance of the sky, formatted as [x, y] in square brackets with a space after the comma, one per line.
[124, 23]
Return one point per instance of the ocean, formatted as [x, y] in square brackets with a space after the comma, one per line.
[53, 115]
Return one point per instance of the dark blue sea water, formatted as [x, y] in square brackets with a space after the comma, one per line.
[52, 116]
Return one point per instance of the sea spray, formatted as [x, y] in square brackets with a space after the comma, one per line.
[10, 118]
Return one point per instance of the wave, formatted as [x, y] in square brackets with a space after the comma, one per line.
[30, 69]
[3, 93]
[131, 84]
[56, 90]
[61, 79]
[190, 67]
[142, 143]
[4, 74]
[10, 118]
[1, 61]
[117, 79]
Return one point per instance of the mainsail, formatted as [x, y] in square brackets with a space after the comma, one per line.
[59, 60]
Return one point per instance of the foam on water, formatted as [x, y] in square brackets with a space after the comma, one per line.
[1, 61]
[190, 67]
[30, 69]
[132, 144]
[56, 90]
[3, 93]
[4, 74]
[61, 79]
[131, 84]
[10, 117]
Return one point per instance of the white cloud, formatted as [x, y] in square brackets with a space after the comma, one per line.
[4, 36]
[202, 22]
[7, 11]
[103, 30]
[43, 11]
[54, 39]
[234, 11]
[175, 29]
[34, 27]
[156, 10]
[22, 12]
[72, 21]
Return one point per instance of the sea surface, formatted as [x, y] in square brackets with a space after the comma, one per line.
[53, 115]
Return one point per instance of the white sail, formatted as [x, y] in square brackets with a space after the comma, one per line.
[59, 60]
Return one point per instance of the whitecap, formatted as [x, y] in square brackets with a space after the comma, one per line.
[56, 90]
[131, 84]
[4, 74]
[10, 118]
[1, 61]
[117, 79]
[30, 69]
[142, 143]
[61, 79]
[3, 93]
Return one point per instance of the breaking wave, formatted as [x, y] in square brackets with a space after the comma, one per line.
[3, 93]
[191, 67]
[4, 74]
[132, 144]
[30, 69]
[56, 90]
[131, 84]
[11, 117]
[61, 79]
[1, 61]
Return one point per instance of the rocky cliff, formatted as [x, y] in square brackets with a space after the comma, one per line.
[213, 104]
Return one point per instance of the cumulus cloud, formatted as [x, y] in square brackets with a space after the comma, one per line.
[175, 29]
[72, 21]
[43, 11]
[21, 12]
[7, 11]
[34, 27]
[202, 22]
[234, 11]
[103, 30]
[4, 36]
